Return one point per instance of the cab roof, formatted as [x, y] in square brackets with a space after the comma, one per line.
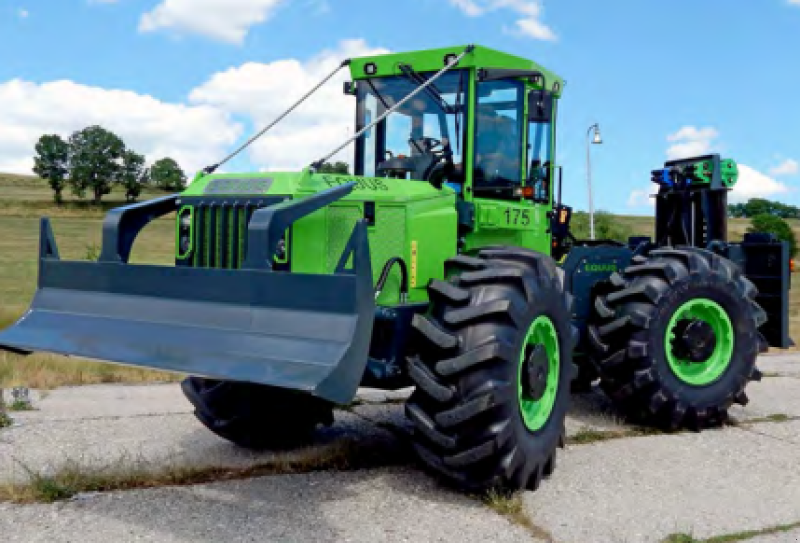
[430, 60]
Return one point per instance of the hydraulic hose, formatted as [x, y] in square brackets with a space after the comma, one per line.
[385, 276]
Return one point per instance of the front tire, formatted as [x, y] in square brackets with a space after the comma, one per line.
[675, 338]
[492, 370]
[256, 416]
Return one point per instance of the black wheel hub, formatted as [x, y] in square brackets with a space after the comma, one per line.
[694, 341]
[534, 379]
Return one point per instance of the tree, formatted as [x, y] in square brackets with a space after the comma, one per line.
[95, 161]
[52, 163]
[133, 174]
[335, 167]
[777, 226]
[167, 175]
[736, 210]
[760, 206]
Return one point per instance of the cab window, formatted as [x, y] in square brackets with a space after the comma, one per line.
[539, 157]
[498, 143]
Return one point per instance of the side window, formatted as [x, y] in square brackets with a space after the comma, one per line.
[370, 113]
[539, 157]
[498, 131]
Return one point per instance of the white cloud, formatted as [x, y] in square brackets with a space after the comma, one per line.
[224, 20]
[261, 91]
[641, 198]
[469, 7]
[529, 12]
[690, 141]
[754, 184]
[788, 166]
[23, 13]
[194, 135]
[794, 2]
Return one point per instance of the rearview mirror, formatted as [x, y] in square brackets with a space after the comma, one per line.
[540, 106]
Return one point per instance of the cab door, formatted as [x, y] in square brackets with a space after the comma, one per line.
[509, 189]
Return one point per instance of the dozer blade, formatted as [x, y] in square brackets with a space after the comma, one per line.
[297, 331]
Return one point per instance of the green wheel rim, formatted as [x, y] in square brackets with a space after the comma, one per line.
[536, 413]
[708, 371]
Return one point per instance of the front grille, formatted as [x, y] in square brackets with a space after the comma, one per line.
[219, 230]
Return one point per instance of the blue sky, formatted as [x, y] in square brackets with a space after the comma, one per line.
[190, 78]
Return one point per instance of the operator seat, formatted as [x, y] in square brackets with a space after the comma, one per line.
[497, 148]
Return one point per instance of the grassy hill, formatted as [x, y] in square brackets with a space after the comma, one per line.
[644, 225]
[30, 196]
[77, 225]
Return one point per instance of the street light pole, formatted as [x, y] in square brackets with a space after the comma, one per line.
[595, 141]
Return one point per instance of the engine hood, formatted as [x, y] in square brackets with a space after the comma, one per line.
[303, 183]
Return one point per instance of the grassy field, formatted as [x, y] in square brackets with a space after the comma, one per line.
[77, 227]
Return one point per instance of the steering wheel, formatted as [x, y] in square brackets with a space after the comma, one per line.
[429, 145]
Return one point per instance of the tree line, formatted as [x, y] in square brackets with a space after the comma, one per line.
[95, 159]
[768, 216]
[761, 206]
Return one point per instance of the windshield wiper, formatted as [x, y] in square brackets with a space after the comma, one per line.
[378, 95]
[432, 91]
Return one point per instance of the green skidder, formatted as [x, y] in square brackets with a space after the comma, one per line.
[444, 262]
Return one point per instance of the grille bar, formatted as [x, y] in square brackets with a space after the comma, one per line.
[220, 230]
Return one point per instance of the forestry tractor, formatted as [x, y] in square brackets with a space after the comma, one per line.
[446, 263]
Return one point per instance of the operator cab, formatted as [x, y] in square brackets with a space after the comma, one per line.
[426, 138]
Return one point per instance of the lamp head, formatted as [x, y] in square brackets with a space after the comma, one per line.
[597, 138]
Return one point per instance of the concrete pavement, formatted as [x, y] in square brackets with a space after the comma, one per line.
[631, 489]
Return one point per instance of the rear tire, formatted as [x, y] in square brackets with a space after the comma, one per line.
[476, 422]
[256, 416]
[640, 340]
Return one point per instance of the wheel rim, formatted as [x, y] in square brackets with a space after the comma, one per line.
[541, 338]
[711, 316]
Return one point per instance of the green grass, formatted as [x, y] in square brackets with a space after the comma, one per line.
[20, 405]
[511, 506]
[586, 436]
[733, 537]
[131, 473]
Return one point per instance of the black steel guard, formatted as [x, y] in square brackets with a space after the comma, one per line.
[268, 224]
[123, 224]
[300, 331]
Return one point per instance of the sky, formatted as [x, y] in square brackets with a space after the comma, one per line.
[192, 79]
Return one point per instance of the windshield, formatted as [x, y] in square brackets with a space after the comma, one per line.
[430, 124]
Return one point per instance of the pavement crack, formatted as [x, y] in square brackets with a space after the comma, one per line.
[35, 421]
[512, 507]
[752, 430]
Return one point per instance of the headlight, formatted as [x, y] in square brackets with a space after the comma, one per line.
[184, 241]
[280, 253]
